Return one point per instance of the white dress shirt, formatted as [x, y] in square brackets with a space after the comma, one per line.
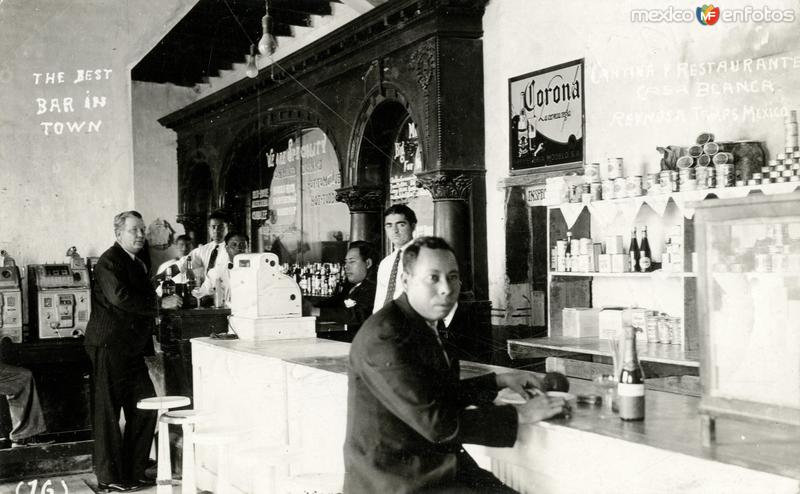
[220, 273]
[180, 262]
[202, 254]
[382, 282]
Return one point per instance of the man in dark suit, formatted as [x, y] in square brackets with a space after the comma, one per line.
[352, 300]
[118, 337]
[407, 414]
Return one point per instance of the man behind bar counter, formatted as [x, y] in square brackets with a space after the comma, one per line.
[118, 337]
[407, 413]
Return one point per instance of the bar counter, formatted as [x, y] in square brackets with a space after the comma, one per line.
[292, 394]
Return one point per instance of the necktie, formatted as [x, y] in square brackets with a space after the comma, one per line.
[441, 329]
[393, 278]
[213, 258]
[141, 263]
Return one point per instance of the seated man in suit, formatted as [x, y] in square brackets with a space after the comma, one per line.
[352, 299]
[408, 412]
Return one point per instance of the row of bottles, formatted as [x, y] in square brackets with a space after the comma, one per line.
[317, 279]
[584, 255]
[168, 285]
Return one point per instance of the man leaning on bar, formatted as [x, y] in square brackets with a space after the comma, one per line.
[407, 409]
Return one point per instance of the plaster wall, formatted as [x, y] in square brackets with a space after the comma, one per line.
[646, 85]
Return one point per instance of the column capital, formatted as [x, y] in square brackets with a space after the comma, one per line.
[361, 198]
[448, 184]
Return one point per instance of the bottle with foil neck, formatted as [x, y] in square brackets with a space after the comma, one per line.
[630, 388]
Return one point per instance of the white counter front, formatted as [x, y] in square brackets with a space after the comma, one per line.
[291, 395]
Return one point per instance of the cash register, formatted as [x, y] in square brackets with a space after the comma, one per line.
[265, 303]
[60, 299]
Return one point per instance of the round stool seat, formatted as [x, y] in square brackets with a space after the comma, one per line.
[163, 402]
[181, 417]
[217, 436]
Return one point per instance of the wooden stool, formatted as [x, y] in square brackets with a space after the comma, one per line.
[186, 419]
[220, 437]
[163, 404]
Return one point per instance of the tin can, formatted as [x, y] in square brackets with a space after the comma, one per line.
[695, 151]
[712, 178]
[620, 187]
[703, 160]
[650, 184]
[781, 168]
[575, 246]
[585, 188]
[739, 183]
[757, 176]
[781, 180]
[787, 173]
[591, 172]
[725, 177]
[796, 166]
[788, 161]
[607, 187]
[651, 328]
[585, 246]
[633, 186]
[673, 175]
[711, 148]
[614, 168]
[665, 179]
[778, 157]
[774, 174]
[596, 191]
[722, 158]
[663, 329]
[704, 138]
[701, 174]
[754, 181]
[796, 155]
[684, 162]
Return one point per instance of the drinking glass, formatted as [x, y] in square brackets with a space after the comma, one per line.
[197, 294]
[608, 383]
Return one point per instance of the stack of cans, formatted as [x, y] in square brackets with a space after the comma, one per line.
[786, 165]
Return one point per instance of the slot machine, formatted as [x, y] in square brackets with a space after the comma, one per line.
[60, 299]
[10, 304]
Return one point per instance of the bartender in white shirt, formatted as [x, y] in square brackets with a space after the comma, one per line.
[184, 245]
[219, 277]
[208, 255]
[399, 222]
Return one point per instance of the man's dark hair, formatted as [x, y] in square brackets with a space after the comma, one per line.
[411, 252]
[184, 238]
[218, 215]
[365, 250]
[406, 211]
[232, 234]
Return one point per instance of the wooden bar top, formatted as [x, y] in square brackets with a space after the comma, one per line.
[672, 421]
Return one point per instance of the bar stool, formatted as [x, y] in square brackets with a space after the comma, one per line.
[221, 437]
[187, 420]
[163, 404]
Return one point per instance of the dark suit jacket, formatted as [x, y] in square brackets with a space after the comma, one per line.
[334, 309]
[124, 305]
[406, 415]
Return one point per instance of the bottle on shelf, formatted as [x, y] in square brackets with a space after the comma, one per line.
[645, 257]
[633, 251]
[630, 388]
[568, 253]
[168, 285]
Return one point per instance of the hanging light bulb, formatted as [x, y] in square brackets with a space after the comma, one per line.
[252, 69]
[268, 43]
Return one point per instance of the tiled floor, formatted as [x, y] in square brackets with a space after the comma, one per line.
[75, 484]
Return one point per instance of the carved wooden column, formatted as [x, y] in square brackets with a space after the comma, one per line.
[450, 190]
[366, 208]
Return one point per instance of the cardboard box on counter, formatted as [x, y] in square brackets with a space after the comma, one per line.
[579, 322]
[610, 322]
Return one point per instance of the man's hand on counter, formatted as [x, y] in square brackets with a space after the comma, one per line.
[523, 383]
[171, 302]
[540, 407]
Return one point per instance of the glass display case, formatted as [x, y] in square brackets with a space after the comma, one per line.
[749, 295]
